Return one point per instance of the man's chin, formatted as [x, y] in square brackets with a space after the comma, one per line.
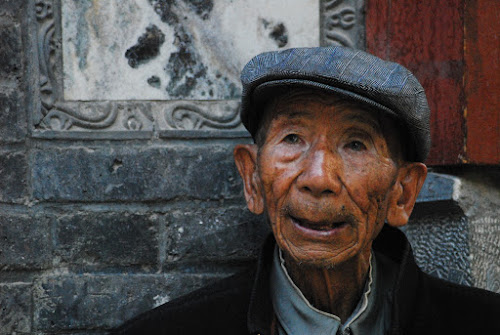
[318, 259]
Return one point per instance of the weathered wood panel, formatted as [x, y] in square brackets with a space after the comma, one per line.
[427, 37]
[482, 80]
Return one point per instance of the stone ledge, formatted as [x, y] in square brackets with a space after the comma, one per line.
[456, 220]
[91, 135]
[440, 242]
[439, 187]
[438, 230]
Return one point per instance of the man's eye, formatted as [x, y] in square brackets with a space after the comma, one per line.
[356, 146]
[291, 138]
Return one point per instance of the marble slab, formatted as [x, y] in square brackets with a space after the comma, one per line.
[174, 49]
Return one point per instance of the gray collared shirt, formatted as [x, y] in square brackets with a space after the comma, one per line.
[297, 316]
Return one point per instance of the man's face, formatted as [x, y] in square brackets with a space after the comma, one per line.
[324, 174]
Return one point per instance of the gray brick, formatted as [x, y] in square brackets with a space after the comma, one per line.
[104, 301]
[11, 8]
[13, 172]
[107, 239]
[24, 242]
[13, 126]
[11, 51]
[15, 308]
[135, 173]
[217, 234]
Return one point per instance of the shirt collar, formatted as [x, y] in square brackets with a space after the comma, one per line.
[396, 286]
[296, 315]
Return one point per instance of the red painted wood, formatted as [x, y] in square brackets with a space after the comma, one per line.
[427, 37]
[482, 55]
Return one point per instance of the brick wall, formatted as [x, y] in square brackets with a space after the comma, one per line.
[94, 231]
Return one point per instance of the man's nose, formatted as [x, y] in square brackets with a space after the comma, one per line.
[320, 175]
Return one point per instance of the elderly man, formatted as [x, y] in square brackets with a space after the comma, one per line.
[340, 139]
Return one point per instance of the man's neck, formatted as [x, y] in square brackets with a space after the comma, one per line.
[334, 290]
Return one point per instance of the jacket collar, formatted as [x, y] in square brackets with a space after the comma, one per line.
[260, 311]
[391, 242]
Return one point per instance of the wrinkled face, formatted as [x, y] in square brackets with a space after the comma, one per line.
[325, 172]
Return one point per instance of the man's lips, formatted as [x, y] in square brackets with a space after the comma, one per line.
[321, 226]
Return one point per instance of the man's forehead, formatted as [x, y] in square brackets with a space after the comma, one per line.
[304, 104]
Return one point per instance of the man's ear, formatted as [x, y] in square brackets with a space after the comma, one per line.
[409, 181]
[245, 157]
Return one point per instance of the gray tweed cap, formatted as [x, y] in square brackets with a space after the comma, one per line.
[384, 86]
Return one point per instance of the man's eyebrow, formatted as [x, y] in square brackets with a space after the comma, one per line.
[367, 120]
[294, 114]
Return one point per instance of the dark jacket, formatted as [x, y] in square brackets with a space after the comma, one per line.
[241, 303]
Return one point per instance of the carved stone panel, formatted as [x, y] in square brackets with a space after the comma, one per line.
[343, 23]
[132, 66]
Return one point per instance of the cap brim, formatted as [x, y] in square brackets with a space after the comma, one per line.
[274, 88]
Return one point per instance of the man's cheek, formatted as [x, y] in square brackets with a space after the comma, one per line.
[366, 196]
[279, 182]
[360, 198]
[358, 187]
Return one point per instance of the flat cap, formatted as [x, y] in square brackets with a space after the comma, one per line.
[353, 74]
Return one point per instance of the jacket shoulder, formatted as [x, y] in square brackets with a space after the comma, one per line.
[455, 308]
[217, 308]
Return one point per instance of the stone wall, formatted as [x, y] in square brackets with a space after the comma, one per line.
[115, 201]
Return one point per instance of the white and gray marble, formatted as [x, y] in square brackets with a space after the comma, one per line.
[177, 49]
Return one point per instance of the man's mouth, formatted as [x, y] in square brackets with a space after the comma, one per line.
[318, 225]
